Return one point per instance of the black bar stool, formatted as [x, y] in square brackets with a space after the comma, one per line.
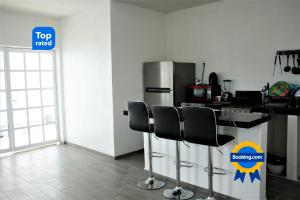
[200, 127]
[138, 116]
[167, 125]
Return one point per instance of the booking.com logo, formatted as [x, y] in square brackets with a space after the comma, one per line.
[247, 158]
[43, 38]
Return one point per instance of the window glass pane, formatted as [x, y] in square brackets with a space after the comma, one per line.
[4, 141]
[34, 98]
[35, 116]
[33, 80]
[48, 98]
[3, 121]
[47, 79]
[2, 101]
[18, 99]
[49, 115]
[20, 118]
[50, 132]
[17, 80]
[32, 61]
[36, 135]
[46, 61]
[2, 81]
[21, 137]
[16, 60]
[1, 60]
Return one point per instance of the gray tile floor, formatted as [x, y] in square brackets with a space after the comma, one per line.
[67, 172]
[282, 189]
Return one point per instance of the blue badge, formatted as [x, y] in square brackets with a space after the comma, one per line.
[247, 158]
[43, 38]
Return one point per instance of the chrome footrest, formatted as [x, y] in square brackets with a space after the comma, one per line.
[185, 164]
[157, 155]
[217, 170]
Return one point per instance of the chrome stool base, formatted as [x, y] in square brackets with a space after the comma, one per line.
[151, 184]
[178, 193]
[207, 198]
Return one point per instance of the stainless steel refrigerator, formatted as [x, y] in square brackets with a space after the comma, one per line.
[165, 82]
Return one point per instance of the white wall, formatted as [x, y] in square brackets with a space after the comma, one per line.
[16, 27]
[16, 30]
[1, 25]
[138, 35]
[237, 39]
[87, 78]
[104, 48]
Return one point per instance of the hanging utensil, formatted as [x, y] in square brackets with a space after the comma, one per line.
[287, 67]
[298, 68]
[279, 58]
[294, 69]
[275, 65]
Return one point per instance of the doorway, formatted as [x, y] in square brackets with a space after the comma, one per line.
[28, 99]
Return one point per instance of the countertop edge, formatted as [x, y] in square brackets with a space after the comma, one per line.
[236, 124]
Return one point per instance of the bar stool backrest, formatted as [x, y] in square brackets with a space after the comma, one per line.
[166, 122]
[138, 116]
[200, 126]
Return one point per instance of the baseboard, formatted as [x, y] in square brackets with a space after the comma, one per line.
[90, 150]
[128, 154]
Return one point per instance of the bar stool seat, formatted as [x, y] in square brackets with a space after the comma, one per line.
[200, 127]
[167, 126]
[222, 139]
[138, 118]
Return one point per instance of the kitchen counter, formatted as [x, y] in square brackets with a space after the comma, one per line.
[233, 119]
[291, 149]
[262, 108]
[276, 110]
[243, 127]
[265, 108]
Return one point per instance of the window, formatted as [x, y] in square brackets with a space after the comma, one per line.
[28, 79]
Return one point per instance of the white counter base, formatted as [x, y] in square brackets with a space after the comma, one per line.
[293, 148]
[197, 154]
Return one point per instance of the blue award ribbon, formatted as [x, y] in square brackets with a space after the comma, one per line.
[239, 175]
[254, 175]
[247, 158]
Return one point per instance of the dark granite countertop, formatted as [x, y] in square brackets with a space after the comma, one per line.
[262, 108]
[234, 119]
[276, 110]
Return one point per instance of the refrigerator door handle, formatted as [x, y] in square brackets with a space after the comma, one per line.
[158, 90]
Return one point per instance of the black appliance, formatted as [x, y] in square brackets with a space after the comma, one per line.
[215, 87]
[199, 93]
[247, 98]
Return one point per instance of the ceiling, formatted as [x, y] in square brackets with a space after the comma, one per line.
[168, 5]
[62, 8]
[51, 8]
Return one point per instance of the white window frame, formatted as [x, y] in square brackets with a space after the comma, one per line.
[9, 110]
